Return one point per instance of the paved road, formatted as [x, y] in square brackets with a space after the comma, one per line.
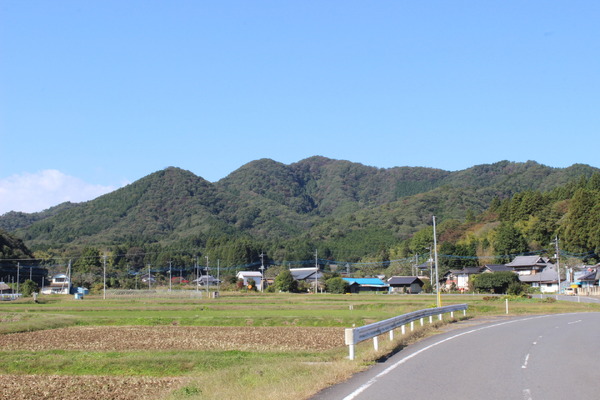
[552, 357]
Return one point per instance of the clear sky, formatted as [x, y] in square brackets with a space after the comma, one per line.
[96, 94]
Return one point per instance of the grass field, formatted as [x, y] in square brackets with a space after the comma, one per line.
[243, 346]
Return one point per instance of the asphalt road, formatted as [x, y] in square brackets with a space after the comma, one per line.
[528, 358]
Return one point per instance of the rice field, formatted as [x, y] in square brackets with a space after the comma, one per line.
[231, 347]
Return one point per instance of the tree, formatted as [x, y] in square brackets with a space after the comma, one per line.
[509, 241]
[29, 287]
[337, 285]
[285, 282]
[495, 282]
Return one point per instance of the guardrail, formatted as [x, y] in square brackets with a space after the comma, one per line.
[353, 336]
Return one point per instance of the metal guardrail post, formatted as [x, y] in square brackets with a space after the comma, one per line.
[355, 335]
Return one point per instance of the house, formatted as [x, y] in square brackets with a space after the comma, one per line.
[529, 265]
[546, 280]
[245, 276]
[306, 274]
[148, 278]
[459, 278]
[204, 279]
[358, 285]
[489, 268]
[405, 284]
[4, 288]
[59, 284]
[589, 277]
[426, 268]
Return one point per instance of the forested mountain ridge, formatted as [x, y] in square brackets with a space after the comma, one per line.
[311, 201]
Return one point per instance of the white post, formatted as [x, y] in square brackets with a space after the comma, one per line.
[376, 343]
[451, 314]
[351, 352]
[403, 329]
[464, 313]
[440, 317]
[431, 319]
[422, 321]
[412, 326]
[507, 306]
[391, 334]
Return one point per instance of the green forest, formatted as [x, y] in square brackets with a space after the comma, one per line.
[340, 214]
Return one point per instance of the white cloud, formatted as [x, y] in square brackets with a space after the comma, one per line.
[32, 192]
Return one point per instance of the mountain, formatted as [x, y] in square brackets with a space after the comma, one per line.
[12, 248]
[316, 199]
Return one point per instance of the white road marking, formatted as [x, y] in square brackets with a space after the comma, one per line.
[574, 322]
[526, 361]
[527, 394]
[389, 369]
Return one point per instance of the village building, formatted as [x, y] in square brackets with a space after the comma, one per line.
[405, 284]
[529, 265]
[359, 285]
[246, 276]
[59, 284]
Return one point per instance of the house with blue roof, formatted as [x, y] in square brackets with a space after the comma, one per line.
[360, 285]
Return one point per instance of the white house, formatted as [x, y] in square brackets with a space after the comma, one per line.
[547, 280]
[59, 284]
[245, 276]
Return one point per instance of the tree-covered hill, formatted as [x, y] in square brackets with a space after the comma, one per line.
[13, 248]
[348, 209]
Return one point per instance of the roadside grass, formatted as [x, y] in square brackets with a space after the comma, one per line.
[146, 363]
[250, 375]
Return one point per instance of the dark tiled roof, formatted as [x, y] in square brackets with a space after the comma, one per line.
[498, 267]
[404, 280]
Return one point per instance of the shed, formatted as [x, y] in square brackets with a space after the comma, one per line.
[5, 288]
[358, 285]
[405, 284]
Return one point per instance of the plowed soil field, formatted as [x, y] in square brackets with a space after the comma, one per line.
[46, 387]
[124, 338]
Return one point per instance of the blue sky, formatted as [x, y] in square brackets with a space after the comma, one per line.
[97, 94]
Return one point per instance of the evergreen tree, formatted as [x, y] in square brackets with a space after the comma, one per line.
[509, 242]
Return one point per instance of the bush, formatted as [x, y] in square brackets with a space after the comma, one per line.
[29, 287]
[284, 282]
[496, 282]
[515, 289]
[337, 285]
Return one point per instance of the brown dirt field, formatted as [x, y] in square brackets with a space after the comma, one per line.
[46, 387]
[125, 338]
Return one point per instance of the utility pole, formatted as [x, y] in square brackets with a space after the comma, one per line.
[170, 276]
[218, 275]
[18, 277]
[416, 264]
[69, 274]
[207, 277]
[197, 275]
[557, 262]
[316, 271]
[262, 271]
[437, 279]
[149, 278]
[104, 278]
